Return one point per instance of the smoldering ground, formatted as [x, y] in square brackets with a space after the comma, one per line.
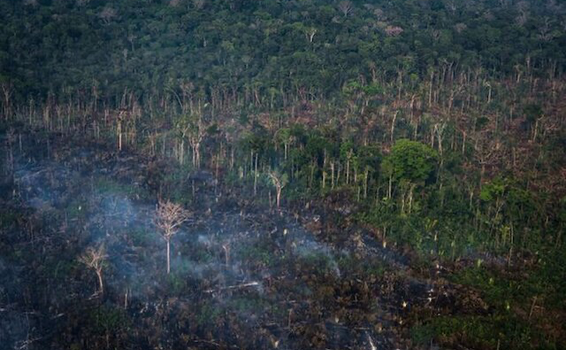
[250, 278]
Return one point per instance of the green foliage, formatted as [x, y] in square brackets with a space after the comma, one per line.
[251, 304]
[368, 157]
[352, 266]
[499, 290]
[138, 45]
[410, 162]
[176, 283]
[318, 262]
[481, 122]
[63, 269]
[105, 186]
[106, 319]
[208, 314]
[484, 332]
[328, 82]
[492, 190]
[259, 253]
[140, 237]
[508, 204]
[505, 294]
[533, 112]
[9, 218]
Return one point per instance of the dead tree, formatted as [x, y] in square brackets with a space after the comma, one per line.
[310, 33]
[95, 259]
[169, 217]
[196, 134]
[279, 181]
[345, 7]
[7, 92]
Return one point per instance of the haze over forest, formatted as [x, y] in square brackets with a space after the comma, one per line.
[282, 174]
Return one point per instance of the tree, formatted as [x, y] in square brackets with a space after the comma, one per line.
[310, 33]
[410, 161]
[345, 7]
[196, 131]
[410, 164]
[279, 181]
[511, 208]
[367, 163]
[95, 259]
[7, 90]
[533, 115]
[108, 14]
[169, 217]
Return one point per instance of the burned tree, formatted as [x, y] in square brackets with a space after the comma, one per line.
[279, 181]
[169, 217]
[95, 259]
[194, 129]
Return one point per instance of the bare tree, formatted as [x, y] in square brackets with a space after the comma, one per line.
[545, 30]
[120, 120]
[279, 181]
[226, 247]
[95, 258]
[108, 14]
[345, 7]
[522, 18]
[394, 31]
[169, 217]
[195, 139]
[195, 131]
[452, 6]
[460, 27]
[523, 9]
[310, 33]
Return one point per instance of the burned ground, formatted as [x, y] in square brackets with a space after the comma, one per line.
[244, 276]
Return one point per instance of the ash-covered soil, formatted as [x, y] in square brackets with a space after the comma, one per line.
[244, 275]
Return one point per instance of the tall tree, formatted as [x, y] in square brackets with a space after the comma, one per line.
[169, 217]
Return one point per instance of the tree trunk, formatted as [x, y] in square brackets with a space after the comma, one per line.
[168, 256]
[119, 131]
[332, 175]
[393, 125]
[182, 152]
[197, 155]
[348, 171]
[390, 187]
[255, 174]
[100, 284]
[366, 175]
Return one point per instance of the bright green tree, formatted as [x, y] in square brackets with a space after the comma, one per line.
[410, 164]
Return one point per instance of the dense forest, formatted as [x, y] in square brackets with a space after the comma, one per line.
[282, 174]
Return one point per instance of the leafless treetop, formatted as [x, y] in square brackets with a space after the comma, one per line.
[94, 257]
[169, 217]
[345, 7]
